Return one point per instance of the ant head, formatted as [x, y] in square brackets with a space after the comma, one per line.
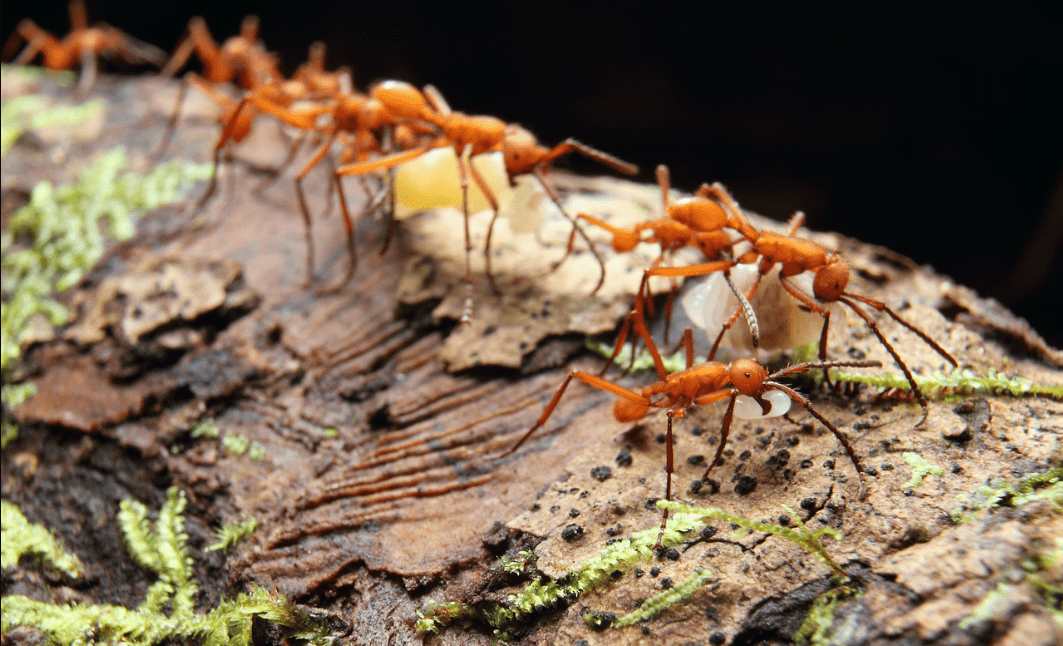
[520, 150]
[831, 279]
[747, 376]
[627, 410]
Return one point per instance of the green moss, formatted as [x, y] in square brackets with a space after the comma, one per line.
[959, 383]
[799, 534]
[229, 535]
[920, 469]
[59, 235]
[205, 428]
[22, 538]
[1038, 486]
[816, 627]
[161, 547]
[655, 605]
[543, 594]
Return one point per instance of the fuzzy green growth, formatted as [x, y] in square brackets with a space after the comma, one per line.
[517, 565]
[35, 112]
[800, 534]
[22, 538]
[229, 535]
[643, 360]
[816, 627]
[205, 428]
[161, 547]
[920, 469]
[59, 235]
[1038, 486]
[660, 602]
[957, 384]
[543, 594]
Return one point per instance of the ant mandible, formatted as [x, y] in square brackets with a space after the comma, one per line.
[700, 385]
[83, 44]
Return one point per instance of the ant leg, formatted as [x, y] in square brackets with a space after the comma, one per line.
[538, 174]
[745, 309]
[686, 342]
[88, 71]
[668, 469]
[591, 380]
[304, 209]
[351, 250]
[463, 175]
[570, 145]
[896, 358]
[882, 307]
[489, 194]
[725, 429]
[796, 397]
[796, 220]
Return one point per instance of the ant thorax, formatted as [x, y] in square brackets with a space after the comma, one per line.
[784, 325]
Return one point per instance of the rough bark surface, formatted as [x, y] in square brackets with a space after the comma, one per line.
[385, 426]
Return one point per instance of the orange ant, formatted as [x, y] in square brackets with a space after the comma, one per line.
[241, 57]
[698, 386]
[83, 44]
[831, 276]
[472, 135]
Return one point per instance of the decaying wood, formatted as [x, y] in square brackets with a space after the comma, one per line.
[385, 426]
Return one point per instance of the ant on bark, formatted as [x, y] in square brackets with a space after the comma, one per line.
[82, 45]
[700, 385]
[472, 135]
[830, 279]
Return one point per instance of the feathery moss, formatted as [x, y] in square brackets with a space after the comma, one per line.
[161, 547]
[957, 384]
[229, 535]
[658, 603]
[1037, 486]
[22, 538]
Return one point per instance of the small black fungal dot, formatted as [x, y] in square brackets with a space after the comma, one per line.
[806, 463]
[615, 530]
[661, 437]
[490, 329]
[708, 532]
[808, 504]
[745, 485]
[536, 506]
[856, 353]
[957, 468]
[697, 431]
[886, 466]
[651, 503]
[645, 630]
[793, 441]
[571, 532]
[601, 474]
[639, 573]
[861, 426]
[695, 486]
[711, 485]
[788, 474]
[584, 494]
[784, 520]
[828, 464]
[582, 642]
[572, 513]
[666, 583]
[696, 460]
[672, 554]
[735, 526]
[610, 541]
[616, 574]
[554, 508]
[623, 459]
[654, 571]
[871, 471]
[744, 455]
[717, 638]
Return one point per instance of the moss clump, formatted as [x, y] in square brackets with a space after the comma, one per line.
[161, 547]
[920, 469]
[229, 535]
[800, 534]
[544, 594]
[957, 384]
[816, 627]
[661, 601]
[23, 538]
[60, 234]
[998, 493]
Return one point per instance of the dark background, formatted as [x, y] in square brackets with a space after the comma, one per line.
[936, 131]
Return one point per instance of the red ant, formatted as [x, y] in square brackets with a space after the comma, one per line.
[831, 276]
[472, 135]
[697, 386]
[83, 44]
